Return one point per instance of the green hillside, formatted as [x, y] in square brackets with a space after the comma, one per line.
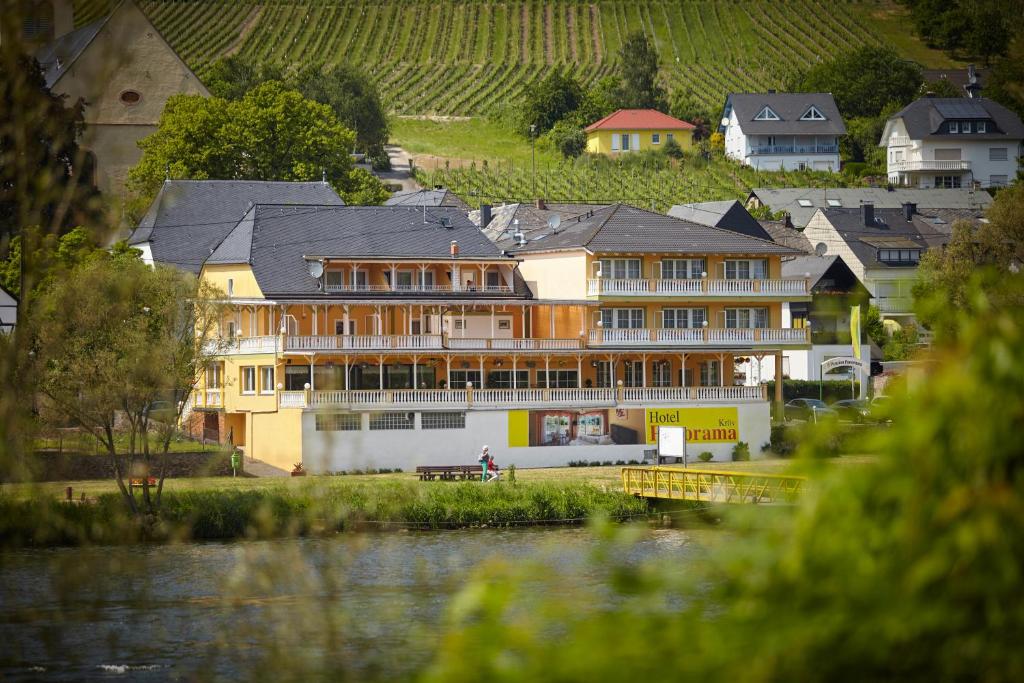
[463, 57]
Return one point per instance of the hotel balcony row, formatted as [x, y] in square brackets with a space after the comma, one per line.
[929, 165]
[697, 287]
[491, 399]
[599, 338]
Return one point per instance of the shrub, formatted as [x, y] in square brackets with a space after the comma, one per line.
[782, 442]
[706, 456]
[741, 451]
[672, 149]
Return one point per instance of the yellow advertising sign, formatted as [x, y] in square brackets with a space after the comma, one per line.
[518, 428]
[703, 425]
[855, 330]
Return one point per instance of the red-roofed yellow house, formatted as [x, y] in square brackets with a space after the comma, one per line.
[631, 130]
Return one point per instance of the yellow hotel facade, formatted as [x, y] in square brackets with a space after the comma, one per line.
[364, 337]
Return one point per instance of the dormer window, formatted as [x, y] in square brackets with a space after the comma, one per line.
[966, 127]
[813, 114]
[954, 126]
[767, 114]
[981, 126]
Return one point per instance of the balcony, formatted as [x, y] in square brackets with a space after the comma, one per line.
[895, 305]
[697, 337]
[242, 345]
[426, 342]
[929, 165]
[705, 287]
[415, 289]
[794, 149]
[491, 399]
[900, 141]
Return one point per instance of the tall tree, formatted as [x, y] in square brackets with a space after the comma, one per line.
[270, 134]
[638, 75]
[233, 76]
[1006, 79]
[863, 81]
[355, 99]
[555, 97]
[115, 337]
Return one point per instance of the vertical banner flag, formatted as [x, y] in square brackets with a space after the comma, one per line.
[855, 330]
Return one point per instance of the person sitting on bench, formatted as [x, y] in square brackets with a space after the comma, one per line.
[492, 471]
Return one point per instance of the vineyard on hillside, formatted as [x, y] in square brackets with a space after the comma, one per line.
[463, 57]
[656, 186]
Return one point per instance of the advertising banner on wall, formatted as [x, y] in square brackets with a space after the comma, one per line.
[619, 426]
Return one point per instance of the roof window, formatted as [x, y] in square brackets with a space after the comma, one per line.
[806, 203]
[835, 203]
[813, 114]
[767, 114]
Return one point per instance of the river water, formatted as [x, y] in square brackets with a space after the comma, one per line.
[364, 605]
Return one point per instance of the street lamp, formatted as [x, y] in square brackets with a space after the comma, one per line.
[533, 151]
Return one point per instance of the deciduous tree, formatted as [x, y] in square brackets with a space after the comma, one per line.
[638, 75]
[863, 81]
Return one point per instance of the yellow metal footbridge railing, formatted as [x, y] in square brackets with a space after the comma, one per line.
[713, 486]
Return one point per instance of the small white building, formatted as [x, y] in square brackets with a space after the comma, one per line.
[783, 131]
[951, 142]
[8, 311]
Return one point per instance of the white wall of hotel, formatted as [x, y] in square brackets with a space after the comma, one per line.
[741, 147]
[332, 451]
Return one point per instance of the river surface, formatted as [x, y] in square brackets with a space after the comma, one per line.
[366, 605]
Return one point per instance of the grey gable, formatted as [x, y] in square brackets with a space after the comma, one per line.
[57, 56]
[190, 218]
[728, 215]
[284, 238]
[924, 117]
[789, 107]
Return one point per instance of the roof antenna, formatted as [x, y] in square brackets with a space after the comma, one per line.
[424, 213]
[323, 175]
[167, 171]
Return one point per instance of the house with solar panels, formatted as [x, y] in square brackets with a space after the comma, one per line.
[953, 142]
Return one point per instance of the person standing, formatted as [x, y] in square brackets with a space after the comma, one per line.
[485, 461]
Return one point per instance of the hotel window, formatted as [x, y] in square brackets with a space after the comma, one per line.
[682, 318]
[231, 286]
[502, 379]
[747, 269]
[745, 318]
[339, 327]
[443, 420]
[334, 279]
[622, 318]
[296, 377]
[390, 421]
[710, 375]
[620, 268]
[899, 255]
[461, 377]
[249, 380]
[682, 269]
[632, 373]
[403, 279]
[997, 180]
[997, 153]
[560, 379]
[214, 376]
[662, 373]
[655, 138]
[603, 370]
[947, 181]
[338, 422]
[493, 280]
[766, 114]
[266, 379]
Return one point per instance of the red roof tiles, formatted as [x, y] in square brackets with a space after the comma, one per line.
[639, 119]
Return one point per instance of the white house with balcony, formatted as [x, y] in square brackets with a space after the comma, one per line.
[953, 142]
[783, 131]
[883, 247]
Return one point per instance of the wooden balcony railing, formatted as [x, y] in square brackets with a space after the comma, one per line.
[700, 336]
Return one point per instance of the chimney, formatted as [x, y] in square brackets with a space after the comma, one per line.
[787, 220]
[485, 215]
[455, 248]
[867, 210]
[540, 204]
[908, 211]
[973, 87]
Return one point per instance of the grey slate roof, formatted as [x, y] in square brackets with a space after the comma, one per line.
[190, 218]
[799, 267]
[926, 230]
[790, 107]
[728, 215]
[923, 118]
[624, 228]
[65, 50]
[852, 197]
[786, 235]
[426, 197]
[533, 222]
[280, 238]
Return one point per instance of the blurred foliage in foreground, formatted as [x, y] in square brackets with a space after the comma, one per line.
[909, 569]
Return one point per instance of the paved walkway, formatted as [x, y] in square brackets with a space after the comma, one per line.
[400, 172]
[258, 468]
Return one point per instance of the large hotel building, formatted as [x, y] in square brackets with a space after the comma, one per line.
[364, 337]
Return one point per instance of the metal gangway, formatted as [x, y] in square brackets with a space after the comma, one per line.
[712, 486]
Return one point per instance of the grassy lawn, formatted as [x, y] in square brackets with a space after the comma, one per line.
[87, 444]
[466, 140]
[892, 23]
[600, 476]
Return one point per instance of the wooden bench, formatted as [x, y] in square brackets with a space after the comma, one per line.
[137, 482]
[449, 472]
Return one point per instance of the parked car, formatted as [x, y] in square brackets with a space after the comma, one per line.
[810, 409]
[880, 407]
[852, 409]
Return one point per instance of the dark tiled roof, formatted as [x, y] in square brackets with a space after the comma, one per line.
[434, 197]
[804, 266]
[923, 117]
[189, 218]
[785, 235]
[280, 238]
[789, 107]
[533, 222]
[623, 228]
[728, 215]
[788, 199]
[65, 50]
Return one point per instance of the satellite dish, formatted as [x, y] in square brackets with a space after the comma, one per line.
[554, 222]
[725, 123]
[316, 268]
[820, 248]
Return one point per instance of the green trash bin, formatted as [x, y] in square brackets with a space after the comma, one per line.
[236, 462]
